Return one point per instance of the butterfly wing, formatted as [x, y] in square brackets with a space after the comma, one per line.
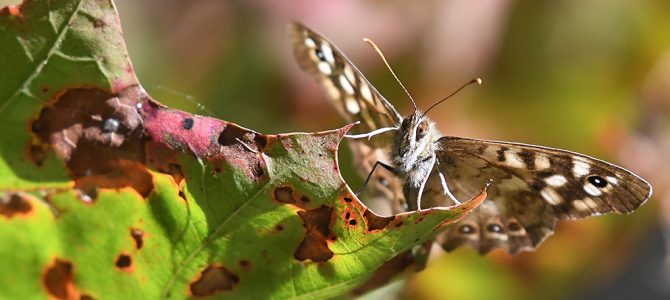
[532, 187]
[352, 94]
[356, 100]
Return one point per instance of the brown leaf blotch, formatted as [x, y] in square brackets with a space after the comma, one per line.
[124, 262]
[99, 136]
[284, 194]
[375, 222]
[58, 280]
[14, 204]
[138, 237]
[314, 246]
[37, 154]
[212, 280]
[245, 264]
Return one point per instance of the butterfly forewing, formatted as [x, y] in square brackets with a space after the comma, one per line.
[356, 100]
[354, 97]
[532, 187]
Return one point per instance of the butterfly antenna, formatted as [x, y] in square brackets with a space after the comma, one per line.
[374, 46]
[476, 80]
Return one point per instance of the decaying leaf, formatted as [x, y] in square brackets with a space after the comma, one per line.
[105, 192]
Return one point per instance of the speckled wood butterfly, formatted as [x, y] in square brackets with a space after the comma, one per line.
[531, 187]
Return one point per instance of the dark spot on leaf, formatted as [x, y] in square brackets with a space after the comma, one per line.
[347, 199]
[58, 280]
[187, 123]
[314, 246]
[375, 222]
[137, 235]
[212, 280]
[124, 261]
[284, 194]
[36, 126]
[86, 297]
[37, 154]
[257, 169]
[182, 196]
[45, 89]
[279, 227]
[14, 204]
[97, 23]
[304, 199]
[352, 222]
[245, 264]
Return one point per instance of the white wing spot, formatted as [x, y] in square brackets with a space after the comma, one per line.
[327, 53]
[580, 168]
[349, 72]
[612, 180]
[352, 105]
[324, 68]
[592, 190]
[513, 160]
[541, 162]
[590, 203]
[365, 92]
[551, 196]
[556, 180]
[310, 43]
[580, 205]
[333, 92]
[346, 85]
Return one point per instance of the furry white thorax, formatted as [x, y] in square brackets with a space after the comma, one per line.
[414, 159]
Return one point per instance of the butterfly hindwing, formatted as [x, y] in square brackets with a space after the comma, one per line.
[532, 187]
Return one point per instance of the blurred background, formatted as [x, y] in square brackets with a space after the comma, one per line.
[589, 76]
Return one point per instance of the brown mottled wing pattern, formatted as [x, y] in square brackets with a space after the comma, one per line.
[356, 100]
[354, 97]
[532, 187]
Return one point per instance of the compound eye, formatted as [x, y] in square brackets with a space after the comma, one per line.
[421, 130]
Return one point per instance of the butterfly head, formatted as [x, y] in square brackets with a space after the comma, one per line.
[414, 140]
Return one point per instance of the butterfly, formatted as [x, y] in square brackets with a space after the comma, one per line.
[530, 187]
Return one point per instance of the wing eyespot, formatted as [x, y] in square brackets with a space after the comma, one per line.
[597, 181]
[466, 229]
[319, 54]
[495, 228]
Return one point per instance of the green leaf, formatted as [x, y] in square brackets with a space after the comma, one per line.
[105, 193]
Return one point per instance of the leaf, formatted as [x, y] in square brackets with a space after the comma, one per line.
[118, 195]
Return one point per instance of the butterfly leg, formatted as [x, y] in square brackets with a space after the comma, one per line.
[432, 164]
[445, 187]
[378, 163]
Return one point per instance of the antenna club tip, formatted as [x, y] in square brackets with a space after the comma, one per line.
[477, 80]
